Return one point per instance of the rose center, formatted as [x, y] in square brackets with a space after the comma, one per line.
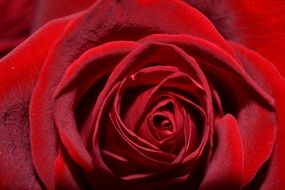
[162, 122]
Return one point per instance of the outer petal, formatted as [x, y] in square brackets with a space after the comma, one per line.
[19, 72]
[266, 75]
[44, 138]
[226, 168]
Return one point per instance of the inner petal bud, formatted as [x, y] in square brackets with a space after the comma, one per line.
[161, 125]
[161, 122]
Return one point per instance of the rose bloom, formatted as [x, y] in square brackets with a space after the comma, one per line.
[144, 94]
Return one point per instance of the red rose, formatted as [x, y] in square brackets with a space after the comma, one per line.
[139, 94]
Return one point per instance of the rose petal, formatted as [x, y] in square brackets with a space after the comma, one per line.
[268, 77]
[63, 176]
[226, 167]
[16, 168]
[19, 74]
[43, 149]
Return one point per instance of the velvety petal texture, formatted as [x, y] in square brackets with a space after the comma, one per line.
[139, 94]
[19, 75]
